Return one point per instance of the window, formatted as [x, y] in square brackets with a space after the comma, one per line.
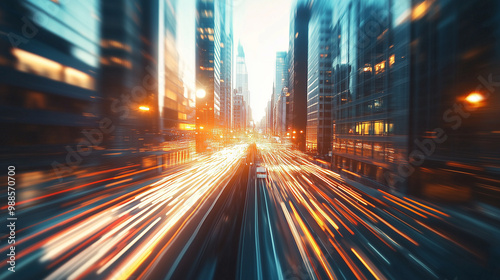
[378, 151]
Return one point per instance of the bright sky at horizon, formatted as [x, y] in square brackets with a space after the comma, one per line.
[261, 26]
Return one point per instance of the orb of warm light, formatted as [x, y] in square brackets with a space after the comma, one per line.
[201, 93]
[474, 98]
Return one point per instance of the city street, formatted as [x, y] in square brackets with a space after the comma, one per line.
[213, 219]
[250, 139]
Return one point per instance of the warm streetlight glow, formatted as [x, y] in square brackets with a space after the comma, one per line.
[294, 131]
[144, 108]
[201, 93]
[301, 131]
[201, 127]
[474, 98]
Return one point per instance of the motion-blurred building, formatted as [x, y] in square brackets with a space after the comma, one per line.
[143, 93]
[50, 76]
[213, 69]
[454, 102]
[122, 54]
[208, 49]
[242, 80]
[281, 90]
[226, 81]
[414, 100]
[370, 88]
[270, 114]
[319, 80]
[239, 112]
[297, 83]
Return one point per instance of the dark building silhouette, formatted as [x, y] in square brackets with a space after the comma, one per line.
[50, 76]
[297, 83]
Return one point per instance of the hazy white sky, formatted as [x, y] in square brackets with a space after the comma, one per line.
[261, 26]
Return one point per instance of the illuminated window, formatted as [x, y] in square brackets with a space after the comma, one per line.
[119, 61]
[378, 127]
[41, 66]
[207, 14]
[380, 67]
[420, 10]
[38, 65]
[392, 59]
[115, 44]
[210, 37]
[78, 78]
[296, 34]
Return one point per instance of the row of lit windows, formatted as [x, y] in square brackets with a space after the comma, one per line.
[44, 67]
[209, 37]
[117, 61]
[114, 44]
[380, 127]
[206, 30]
[377, 150]
[207, 14]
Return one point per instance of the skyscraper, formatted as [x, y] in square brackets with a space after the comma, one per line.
[454, 126]
[281, 83]
[226, 80]
[239, 112]
[242, 78]
[319, 80]
[208, 50]
[50, 79]
[297, 83]
[370, 90]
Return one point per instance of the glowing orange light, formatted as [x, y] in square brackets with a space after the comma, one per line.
[201, 93]
[474, 98]
[144, 108]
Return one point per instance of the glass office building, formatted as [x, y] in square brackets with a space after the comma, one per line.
[281, 82]
[208, 66]
[297, 79]
[49, 56]
[226, 83]
[319, 80]
[454, 125]
[370, 89]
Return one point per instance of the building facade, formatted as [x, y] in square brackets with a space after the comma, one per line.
[226, 81]
[208, 51]
[370, 54]
[242, 79]
[280, 82]
[239, 112]
[49, 87]
[297, 83]
[319, 80]
[454, 102]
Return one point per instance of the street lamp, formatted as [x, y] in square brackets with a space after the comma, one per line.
[144, 108]
[201, 93]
